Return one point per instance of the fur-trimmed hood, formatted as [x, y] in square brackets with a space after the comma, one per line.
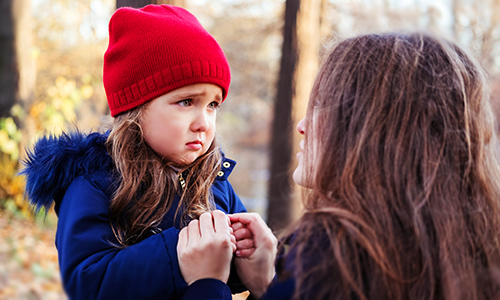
[55, 162]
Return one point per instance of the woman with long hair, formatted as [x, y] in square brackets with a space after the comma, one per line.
[400, 160]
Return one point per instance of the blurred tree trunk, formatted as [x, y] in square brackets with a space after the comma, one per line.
[26, 66]
[9, 73]
[279, 209]
[299, 64]
[17, 66]
[142, 3]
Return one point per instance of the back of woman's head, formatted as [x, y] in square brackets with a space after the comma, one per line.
[408, 185]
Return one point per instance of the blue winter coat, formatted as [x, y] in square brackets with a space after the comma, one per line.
[75, 171]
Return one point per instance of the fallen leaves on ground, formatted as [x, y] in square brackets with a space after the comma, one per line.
[28, 260]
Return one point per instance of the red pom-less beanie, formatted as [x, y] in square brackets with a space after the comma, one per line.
[155, 50]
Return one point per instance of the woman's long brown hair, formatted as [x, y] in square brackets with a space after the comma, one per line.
[405, 201]
[147, 184]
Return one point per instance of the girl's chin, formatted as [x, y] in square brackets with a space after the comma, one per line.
[182, 163]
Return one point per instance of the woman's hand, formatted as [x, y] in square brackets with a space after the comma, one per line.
[205, 248]
[255, 259]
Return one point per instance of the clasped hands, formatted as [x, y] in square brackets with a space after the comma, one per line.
[207, 246]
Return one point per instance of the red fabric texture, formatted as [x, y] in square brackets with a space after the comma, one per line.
[157, 49]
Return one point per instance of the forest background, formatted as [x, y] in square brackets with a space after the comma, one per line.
[51, 54]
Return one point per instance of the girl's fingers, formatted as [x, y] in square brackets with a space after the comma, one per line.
[220, 221]
[245, 244]
[183, 238]
[193, 231]
[237, 225]
[206, 224]
[243, 233]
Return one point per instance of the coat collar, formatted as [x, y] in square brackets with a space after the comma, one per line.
[54, 162]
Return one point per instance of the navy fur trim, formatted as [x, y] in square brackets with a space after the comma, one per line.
[55, 162]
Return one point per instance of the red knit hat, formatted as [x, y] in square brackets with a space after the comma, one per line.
[157, 49]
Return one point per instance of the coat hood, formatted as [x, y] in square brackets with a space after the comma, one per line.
[54, 162]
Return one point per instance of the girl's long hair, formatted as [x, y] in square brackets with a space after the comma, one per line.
[147, 184]
[404, 176]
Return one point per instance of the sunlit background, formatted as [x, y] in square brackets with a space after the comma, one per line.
[59, 47]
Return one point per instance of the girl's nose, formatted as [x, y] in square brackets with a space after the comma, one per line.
[201, 123]
[301, 126]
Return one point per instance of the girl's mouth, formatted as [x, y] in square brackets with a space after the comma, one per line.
[194, 145]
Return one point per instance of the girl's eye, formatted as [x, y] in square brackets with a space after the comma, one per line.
[213, 105]
[185, 102]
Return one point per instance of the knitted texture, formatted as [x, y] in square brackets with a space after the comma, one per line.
[157, 49]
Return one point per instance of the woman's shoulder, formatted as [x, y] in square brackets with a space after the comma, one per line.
[55, 161]
[304, 255]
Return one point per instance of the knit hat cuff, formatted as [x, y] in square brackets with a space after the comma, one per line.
[168, 80]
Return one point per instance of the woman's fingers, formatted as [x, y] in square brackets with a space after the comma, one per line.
[255, 265]
[262, 235]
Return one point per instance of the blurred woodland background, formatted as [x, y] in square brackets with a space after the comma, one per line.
[51, 54]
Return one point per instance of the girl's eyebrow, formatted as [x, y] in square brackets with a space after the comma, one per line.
[189, 95]
[218, 97]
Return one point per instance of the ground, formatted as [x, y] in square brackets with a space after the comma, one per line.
[28, 259]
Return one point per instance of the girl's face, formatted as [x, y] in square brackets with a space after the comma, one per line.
[299, 174]
[180, 125]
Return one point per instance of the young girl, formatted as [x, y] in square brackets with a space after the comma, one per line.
[401, 159]
[121, 197]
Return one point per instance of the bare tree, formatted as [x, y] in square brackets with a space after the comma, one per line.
[9, 73]
[142, 3]
[17, 68]
[299, 65]
[279, 209]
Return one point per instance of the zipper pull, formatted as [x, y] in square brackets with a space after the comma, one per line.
[182, 181]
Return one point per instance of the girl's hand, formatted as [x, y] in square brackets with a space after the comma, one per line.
[257, 270]
[244, 240]
[205, 248]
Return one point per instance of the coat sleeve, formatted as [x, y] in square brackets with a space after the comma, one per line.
[93, 268]
[207, 289]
